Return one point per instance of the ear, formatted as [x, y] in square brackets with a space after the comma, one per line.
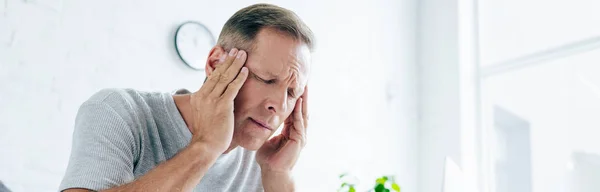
[213, 59]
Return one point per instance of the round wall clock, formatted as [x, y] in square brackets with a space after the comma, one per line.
[193, 42]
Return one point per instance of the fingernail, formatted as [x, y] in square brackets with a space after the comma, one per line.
[239, 54]
[232, 52]
[222, 58]
[244, 69]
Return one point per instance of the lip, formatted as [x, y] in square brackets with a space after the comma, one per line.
[260, 123]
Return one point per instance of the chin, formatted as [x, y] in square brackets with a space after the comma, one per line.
[251, 144]
[250, 139]
[251, 147]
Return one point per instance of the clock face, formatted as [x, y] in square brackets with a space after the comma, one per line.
[193, 42]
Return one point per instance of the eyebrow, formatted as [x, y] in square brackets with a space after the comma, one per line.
[270, 76]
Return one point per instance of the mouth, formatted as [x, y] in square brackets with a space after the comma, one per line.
[261, 124]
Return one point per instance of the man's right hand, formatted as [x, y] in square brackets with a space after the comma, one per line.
[212, 132]
[212, 105]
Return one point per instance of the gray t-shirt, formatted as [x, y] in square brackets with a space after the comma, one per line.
[121, 134]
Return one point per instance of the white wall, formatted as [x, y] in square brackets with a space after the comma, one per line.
[54, 54]
[447, 56]
[440, 90]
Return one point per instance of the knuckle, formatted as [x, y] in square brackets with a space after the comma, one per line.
[222, 104]
[223, 77]
[198, 96]
[210, 100]
[214, 77]
[237, 82]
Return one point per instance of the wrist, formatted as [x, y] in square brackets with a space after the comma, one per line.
[203, 149]
[277, 181]
[269, 173]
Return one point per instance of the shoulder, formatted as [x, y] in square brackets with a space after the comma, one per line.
[114, 97]
[114, 108]
[126, 103]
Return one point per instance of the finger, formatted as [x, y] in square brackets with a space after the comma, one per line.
[229, 58]
[298, 111]
[234, 87]
[214, 78]
[305, 111]
[276, 141]
[289, 122]
[305, 106]
[230, 74]
[286, 130]
[298, 120]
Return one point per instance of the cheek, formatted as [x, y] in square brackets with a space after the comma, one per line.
[242, 97]
[247, 95]
[250, 86]
[290, 107]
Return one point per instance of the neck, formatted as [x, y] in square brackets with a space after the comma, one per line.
[231, 147]
[183, 105]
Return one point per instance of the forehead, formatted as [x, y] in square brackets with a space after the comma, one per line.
[276, 54]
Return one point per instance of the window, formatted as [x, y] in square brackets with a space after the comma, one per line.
[539, 90]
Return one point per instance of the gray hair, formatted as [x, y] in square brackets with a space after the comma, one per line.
[241, 29]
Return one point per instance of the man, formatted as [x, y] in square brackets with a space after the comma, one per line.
[215, 139]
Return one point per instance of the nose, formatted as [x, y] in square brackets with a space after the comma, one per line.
[276, 101]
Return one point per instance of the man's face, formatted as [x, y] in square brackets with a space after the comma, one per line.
[278, 69]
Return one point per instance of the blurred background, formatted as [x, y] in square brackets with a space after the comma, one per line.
[508, 89]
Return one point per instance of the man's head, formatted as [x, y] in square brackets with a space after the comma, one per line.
[278, 45]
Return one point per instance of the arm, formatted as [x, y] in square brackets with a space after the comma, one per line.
[277, 182]
[104, 147]
[181, 173]
[104, 152]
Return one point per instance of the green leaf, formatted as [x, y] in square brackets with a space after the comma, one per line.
[386, 190]
[352, 189]
[381, 180]
[343, 175]
[395, 187]
[379, 188]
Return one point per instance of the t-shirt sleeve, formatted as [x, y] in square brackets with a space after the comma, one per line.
[103, 149]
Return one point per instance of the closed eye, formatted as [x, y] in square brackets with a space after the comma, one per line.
[270, 81]
[291, 92]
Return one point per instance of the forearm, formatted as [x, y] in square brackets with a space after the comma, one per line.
[278, 182]
[180, 173]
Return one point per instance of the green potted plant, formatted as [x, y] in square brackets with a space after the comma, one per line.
[382, 184]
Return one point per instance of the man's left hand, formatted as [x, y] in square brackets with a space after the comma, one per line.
[279, 154]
